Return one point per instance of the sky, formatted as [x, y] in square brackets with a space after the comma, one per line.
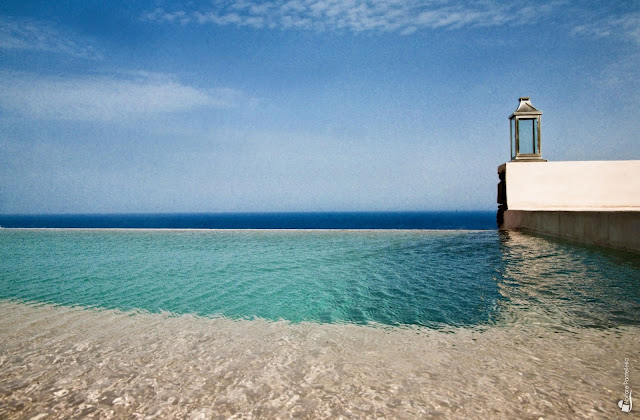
[301, 105]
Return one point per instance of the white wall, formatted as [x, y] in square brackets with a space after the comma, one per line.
[574, 186]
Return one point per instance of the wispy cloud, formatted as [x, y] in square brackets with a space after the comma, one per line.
[399, 16]
[626, 26]
[122, 97]
[33, 35]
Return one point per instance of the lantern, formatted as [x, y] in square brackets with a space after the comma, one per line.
[525, 132]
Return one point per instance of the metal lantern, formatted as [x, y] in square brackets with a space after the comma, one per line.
[525, 132]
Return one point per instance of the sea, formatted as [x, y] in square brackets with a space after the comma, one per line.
[311, 315]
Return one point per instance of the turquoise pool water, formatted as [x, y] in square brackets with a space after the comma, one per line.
[313, 324]
[427, 278]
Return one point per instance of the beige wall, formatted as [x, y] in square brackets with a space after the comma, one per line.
[607, 228]
[574, 186]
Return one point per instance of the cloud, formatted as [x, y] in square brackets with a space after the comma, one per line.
[626, 26]
[401, 16]
[122, 97]
[32, 35]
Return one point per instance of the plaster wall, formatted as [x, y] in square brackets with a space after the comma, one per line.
[573, 186]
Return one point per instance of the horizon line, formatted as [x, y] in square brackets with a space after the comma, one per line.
[231, 213]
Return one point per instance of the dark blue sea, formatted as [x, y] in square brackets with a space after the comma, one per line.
[465, 220]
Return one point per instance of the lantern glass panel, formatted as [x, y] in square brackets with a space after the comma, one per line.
[536, 150]
[513, 138]
[526, 136]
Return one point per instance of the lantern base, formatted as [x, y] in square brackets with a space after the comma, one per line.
[528, 159]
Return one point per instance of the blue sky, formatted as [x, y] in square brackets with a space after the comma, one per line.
[301, 105]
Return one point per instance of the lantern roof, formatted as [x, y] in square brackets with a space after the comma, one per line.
[525, 108]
